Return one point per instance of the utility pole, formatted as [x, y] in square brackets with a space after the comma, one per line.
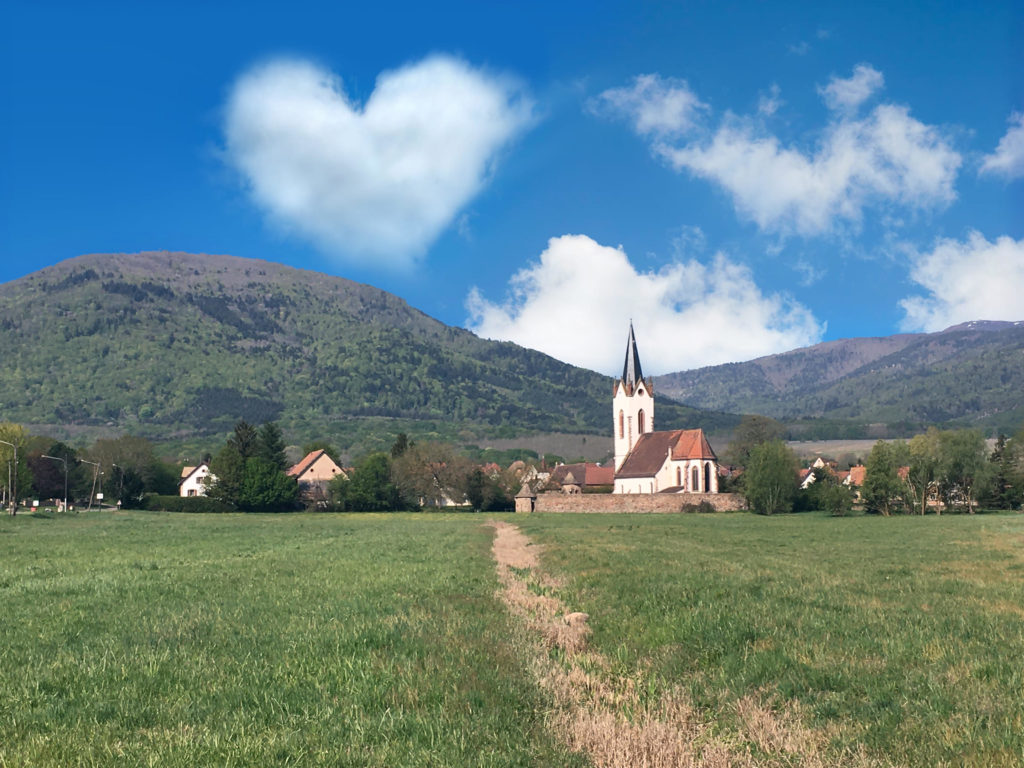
[12, 479]
[95, 474]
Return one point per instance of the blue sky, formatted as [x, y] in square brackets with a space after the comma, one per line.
[738, 179]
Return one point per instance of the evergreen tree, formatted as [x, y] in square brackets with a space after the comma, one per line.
[271, 446]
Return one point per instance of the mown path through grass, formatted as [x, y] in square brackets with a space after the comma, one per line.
[177, 640]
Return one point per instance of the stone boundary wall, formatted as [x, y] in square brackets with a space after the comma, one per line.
[555, 501]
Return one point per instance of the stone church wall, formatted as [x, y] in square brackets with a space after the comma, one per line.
[643, 503]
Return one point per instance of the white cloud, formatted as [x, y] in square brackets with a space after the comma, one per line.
[769, 103]
[1008, 159]
[885, 157]
[656, 106]
[971, 280]
[576, 302]
[380, 180]
[849, 93]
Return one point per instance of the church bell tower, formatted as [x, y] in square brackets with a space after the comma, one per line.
[632, 403]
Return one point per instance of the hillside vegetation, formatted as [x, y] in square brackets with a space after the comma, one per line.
[967, 375]
[175, 345]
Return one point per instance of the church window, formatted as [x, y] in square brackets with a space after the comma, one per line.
[696, 480]
[679, 476]
[622, 424]
[640, 422]
[707, 477]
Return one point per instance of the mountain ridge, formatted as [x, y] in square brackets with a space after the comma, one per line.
[968, 374]
[174, 345]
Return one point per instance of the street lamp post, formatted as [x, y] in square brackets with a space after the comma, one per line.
[12, 479]
[65, 461]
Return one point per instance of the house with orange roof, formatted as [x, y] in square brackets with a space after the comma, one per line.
[677, 461]
[314, 473]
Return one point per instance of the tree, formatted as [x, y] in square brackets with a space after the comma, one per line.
[964, 467]
[270, 446]
[923, 469]
[427, 474]
[370, 488]
[134, 457]
[883, 488]
[770, 479]
[400, 446]
[752, 431]
[265, 488]
[245, 439]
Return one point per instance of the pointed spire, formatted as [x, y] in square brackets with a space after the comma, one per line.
[631, 371]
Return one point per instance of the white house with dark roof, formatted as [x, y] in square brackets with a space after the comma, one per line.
[646, 461]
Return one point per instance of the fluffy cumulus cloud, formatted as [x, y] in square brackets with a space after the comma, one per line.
[884, 157]
[967, 280]
[656, 106]
[1008, 159]
[379, 180]
[849, 93]
[575, 304]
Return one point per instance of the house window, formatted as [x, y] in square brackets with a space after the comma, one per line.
[640, 422]
[622, 424]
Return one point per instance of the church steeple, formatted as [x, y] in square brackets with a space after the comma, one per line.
[632, 403]
[631, 370]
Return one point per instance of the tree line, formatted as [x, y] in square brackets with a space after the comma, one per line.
[939, 470]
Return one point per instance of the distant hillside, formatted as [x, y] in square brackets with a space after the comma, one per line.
[970, 374]
[175, 345]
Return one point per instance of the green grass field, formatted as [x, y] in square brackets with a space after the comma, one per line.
[904, 634]
[378, 640]
[188, 640]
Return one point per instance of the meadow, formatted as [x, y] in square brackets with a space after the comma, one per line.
[900, 638]
[189, 640]
[380, 640]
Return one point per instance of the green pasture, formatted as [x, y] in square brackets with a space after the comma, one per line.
[192, 640]
[903, 634]
[378, 640]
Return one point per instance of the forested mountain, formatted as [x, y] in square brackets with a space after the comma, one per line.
[970, 374]
[174, 345]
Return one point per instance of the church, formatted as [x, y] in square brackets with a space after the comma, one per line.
[678, 461]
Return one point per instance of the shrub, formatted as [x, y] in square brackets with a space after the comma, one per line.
[200, 504]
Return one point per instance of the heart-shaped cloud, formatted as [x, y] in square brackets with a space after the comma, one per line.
[380, 181]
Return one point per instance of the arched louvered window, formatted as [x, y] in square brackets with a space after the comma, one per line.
[640, 423]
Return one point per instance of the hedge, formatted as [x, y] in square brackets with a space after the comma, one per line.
[204, 504]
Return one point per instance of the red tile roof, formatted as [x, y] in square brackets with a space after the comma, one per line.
[306, 463]
[653, 448]
[857, 474]
[585, 474]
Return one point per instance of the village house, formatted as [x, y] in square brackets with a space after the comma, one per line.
[193, 480]
[677, 461]
[313, 474]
